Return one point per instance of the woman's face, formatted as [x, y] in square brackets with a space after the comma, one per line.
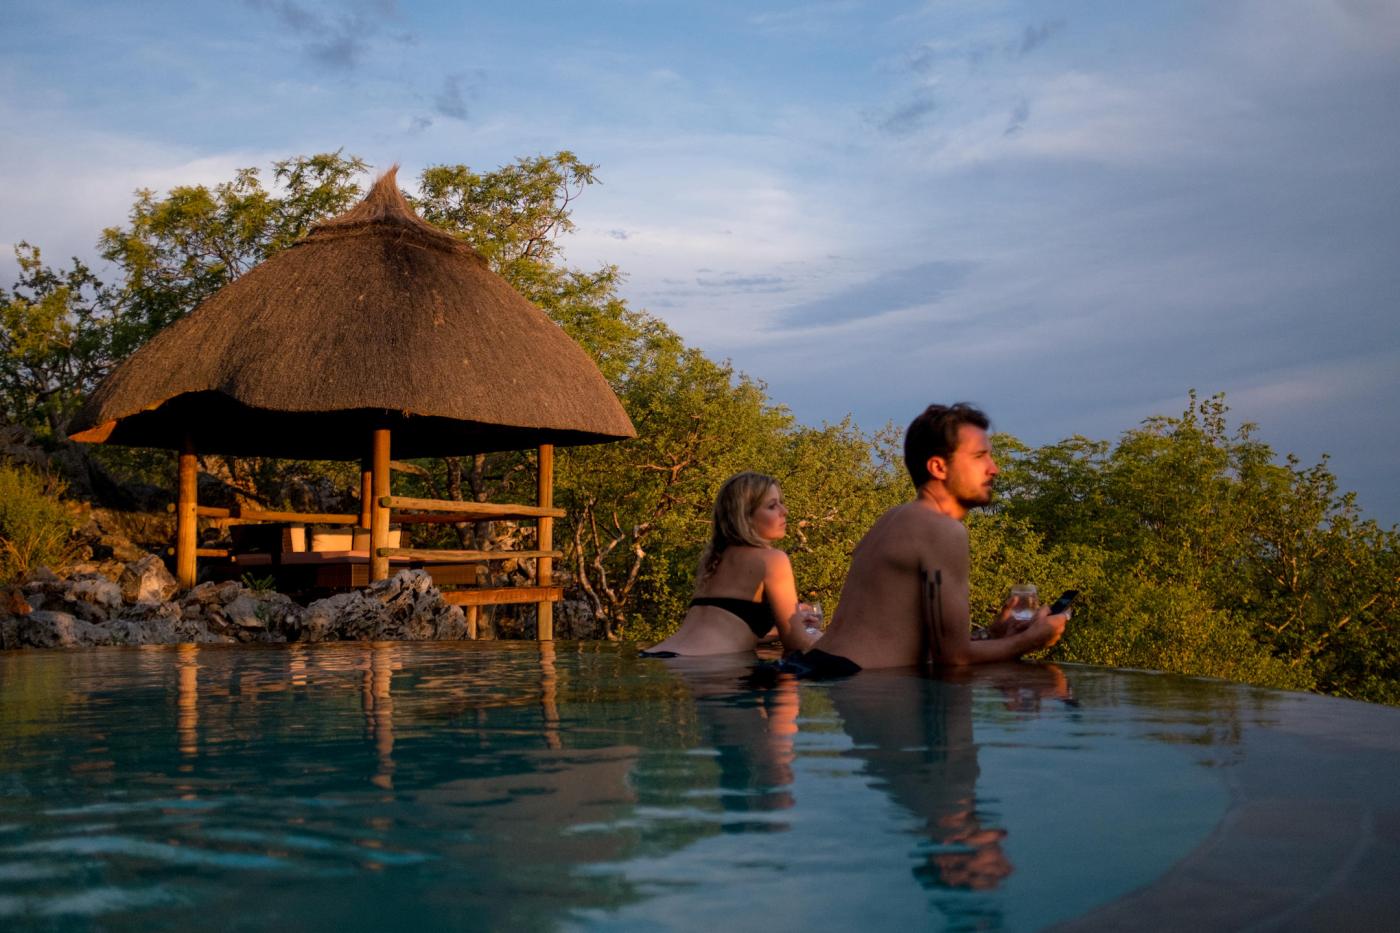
[769, 520]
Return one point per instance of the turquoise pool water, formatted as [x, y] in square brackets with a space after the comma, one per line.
[517, 786]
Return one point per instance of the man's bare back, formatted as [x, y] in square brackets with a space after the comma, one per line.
[883, 617]
[882, 597]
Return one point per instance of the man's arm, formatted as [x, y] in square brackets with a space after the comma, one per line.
[951, 614]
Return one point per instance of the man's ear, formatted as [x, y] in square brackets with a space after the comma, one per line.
[937, 468]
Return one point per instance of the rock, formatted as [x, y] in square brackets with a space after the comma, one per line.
[203, 594]
[41, 579]
[245, 612]
[574, 620]
[92, 597]
[147, 580]
[43, 629]
[405, 607]
[13, 603]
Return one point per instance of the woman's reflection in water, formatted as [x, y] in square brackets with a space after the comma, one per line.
[914, 734]
[751, 730]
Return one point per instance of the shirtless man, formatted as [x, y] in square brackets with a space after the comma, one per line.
[880, 621]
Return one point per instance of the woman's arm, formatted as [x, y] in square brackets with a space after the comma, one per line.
[780, 590]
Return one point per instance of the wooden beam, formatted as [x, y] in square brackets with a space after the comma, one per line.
[501, 595]
[366, 492]
[203, 551]
[187, 516]
[427, 555]
[237, 515]
[322, 518]
[544, 568]
[453, 518]
[379, 514]
[475, 510]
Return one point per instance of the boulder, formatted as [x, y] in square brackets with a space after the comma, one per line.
[147, 581]
[44, 629]
[405, 607]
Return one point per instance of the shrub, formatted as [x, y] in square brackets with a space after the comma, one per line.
[36, 528]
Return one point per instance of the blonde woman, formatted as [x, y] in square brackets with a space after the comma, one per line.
[744, 588]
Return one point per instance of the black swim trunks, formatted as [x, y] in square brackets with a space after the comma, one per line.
[814, 664]
[657, 654]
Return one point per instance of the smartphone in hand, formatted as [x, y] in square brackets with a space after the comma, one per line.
[1063, 603]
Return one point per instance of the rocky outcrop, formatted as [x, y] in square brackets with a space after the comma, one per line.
[138, 603]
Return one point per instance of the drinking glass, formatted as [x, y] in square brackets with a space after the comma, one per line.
[815, 626]
[1023, 602]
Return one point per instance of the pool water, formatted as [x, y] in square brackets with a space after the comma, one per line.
[518, 786]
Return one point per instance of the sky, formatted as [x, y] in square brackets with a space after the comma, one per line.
[1069, 213]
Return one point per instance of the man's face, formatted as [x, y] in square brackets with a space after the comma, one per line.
[971, 471]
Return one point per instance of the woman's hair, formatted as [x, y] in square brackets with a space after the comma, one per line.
[737, 500]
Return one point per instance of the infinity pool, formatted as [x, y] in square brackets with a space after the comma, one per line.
[516, 786]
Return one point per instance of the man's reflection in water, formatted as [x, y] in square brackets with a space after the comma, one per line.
[914, 734]
[751, 730]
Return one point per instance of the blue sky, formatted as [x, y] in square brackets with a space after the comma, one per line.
[1070, 213]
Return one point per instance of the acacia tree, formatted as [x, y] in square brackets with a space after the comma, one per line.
[1200, 553]
[55, 343]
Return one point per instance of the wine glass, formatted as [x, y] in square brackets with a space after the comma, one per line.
[1023, 602]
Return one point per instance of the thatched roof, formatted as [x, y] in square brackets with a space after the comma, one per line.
[375, 319]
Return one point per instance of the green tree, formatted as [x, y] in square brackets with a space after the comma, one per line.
[182, 247]
[1211, 557]
[55, 343]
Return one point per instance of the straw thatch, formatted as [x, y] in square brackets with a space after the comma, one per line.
[376, 319]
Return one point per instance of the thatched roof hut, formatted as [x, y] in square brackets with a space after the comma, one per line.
[376, 326]
[375, 320]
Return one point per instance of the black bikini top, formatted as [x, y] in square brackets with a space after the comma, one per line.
[756, 615]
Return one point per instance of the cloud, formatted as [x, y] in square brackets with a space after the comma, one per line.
[1036, 36]
[450, 101]
[907, 118]
[337, 41]
[807, 18]
[1019, 116]
[923, 284]
[745, 283]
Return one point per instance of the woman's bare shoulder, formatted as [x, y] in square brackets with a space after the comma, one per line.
[767, 557]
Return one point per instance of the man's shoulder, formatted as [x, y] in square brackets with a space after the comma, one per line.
[924, 517]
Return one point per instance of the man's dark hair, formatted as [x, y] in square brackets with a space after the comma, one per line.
[935, 434]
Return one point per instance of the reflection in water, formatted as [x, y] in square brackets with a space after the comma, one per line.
[915, 736]
[187, 701]
[549, 700]
[377, 700]
[752, 731]
[360, 786]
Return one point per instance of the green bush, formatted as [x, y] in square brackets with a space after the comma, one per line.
[36, 528]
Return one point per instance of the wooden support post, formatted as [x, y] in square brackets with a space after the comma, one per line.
[366, 492]
[379, 514]
[187, 516]
[544, 566]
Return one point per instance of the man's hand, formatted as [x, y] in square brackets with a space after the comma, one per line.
[1046, 628]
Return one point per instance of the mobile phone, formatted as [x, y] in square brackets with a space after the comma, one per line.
[1061, 604]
